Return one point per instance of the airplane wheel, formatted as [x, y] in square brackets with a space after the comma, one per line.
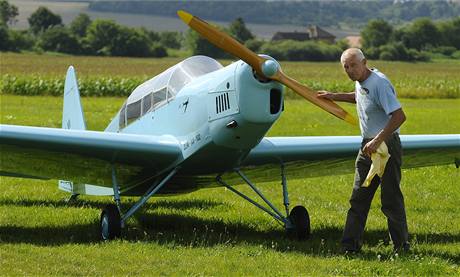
[301, 220]
[110, 222]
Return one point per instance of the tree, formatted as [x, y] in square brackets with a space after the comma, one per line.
[80, 24]
[4, 38]
[59, 39]
[42, 19]
[130, 42]
[200, 46]
[21, 40]
[450, 32]
[100, 36]
[170, 39]
[105, 37]
[376, 33]
[239, 31]
[422, 34]
[7, 13]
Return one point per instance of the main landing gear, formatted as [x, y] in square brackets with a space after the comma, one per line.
[296, 222]
[112, 220]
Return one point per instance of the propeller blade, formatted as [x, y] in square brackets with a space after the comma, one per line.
[223, 41]
[232, 46]
[312, 96]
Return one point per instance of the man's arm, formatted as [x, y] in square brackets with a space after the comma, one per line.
[339, 96]
[397, 119]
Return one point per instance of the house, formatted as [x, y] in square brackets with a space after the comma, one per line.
[299, 36]
[317, 33]
[313, 32]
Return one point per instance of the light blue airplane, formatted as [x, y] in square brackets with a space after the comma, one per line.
[196, 125]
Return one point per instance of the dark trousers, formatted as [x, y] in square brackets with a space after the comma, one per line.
[391, 197]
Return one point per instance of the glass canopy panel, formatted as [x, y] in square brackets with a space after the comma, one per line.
[176, 77]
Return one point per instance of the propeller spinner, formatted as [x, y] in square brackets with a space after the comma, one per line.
[264, 67]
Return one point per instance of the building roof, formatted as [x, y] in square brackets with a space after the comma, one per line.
[316, 32]
[300, 36]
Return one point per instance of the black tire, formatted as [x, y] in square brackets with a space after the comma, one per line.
[110, 223]
[301, 220]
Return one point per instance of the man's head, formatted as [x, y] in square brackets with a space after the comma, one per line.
[354, 64]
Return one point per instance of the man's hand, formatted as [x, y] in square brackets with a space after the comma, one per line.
[326, 94]
[337, 96]
[371, 146]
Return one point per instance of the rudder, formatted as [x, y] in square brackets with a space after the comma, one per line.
[72, 115]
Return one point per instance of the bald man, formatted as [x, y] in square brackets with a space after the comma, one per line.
[380, 116]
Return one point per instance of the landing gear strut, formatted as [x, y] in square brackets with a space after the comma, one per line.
[112, 220]
[296, 223]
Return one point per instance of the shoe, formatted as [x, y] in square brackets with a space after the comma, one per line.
[403, 248]
[348, 251]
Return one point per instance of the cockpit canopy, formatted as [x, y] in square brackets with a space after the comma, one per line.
[162, 88]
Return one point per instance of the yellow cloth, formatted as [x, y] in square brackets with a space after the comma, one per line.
[379, 161]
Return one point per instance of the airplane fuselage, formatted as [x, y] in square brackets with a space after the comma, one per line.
[217, 118]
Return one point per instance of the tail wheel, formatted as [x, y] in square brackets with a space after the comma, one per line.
[110, 222]
[301, 220]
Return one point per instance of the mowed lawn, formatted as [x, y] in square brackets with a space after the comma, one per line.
[214, 232]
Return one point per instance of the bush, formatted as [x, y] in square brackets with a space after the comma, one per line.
[456, 55]
[372, 53]
[254, 44]
[59, 39]
[301, 51]
[398, 52]
[21, 40]
[171, 39]
[420, 56]
[107, 38]
[445, 50]
[387, 56]
[5, 42]
[158, 51]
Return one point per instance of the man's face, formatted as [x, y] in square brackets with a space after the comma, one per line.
[354, 68]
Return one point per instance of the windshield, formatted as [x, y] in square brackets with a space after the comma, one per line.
[163, 88]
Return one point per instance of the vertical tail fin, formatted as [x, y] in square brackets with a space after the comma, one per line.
[72, 116]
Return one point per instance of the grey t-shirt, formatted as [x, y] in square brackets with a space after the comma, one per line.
[375, 101]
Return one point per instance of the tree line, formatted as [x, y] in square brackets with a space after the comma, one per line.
[324, 13]
[419, 40]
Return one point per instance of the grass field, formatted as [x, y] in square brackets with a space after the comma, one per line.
[439, 79]
[212, 232]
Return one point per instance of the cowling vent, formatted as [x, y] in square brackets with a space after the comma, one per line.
[222, 103]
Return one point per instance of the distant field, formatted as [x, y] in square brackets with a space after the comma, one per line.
[212, 231]
[68, 10]
[438, 79]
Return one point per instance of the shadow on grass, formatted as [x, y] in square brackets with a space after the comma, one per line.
[192, 231]
[162, 203]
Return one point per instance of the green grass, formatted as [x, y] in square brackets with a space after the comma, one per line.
[212, 231]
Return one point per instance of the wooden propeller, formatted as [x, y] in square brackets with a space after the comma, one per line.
[264, 67]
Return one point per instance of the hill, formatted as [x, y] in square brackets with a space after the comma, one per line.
[324, 13]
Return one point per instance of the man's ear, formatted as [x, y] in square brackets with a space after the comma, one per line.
[364, 61]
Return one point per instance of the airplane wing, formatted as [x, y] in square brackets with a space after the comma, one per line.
[83, 156]
[331, 155]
